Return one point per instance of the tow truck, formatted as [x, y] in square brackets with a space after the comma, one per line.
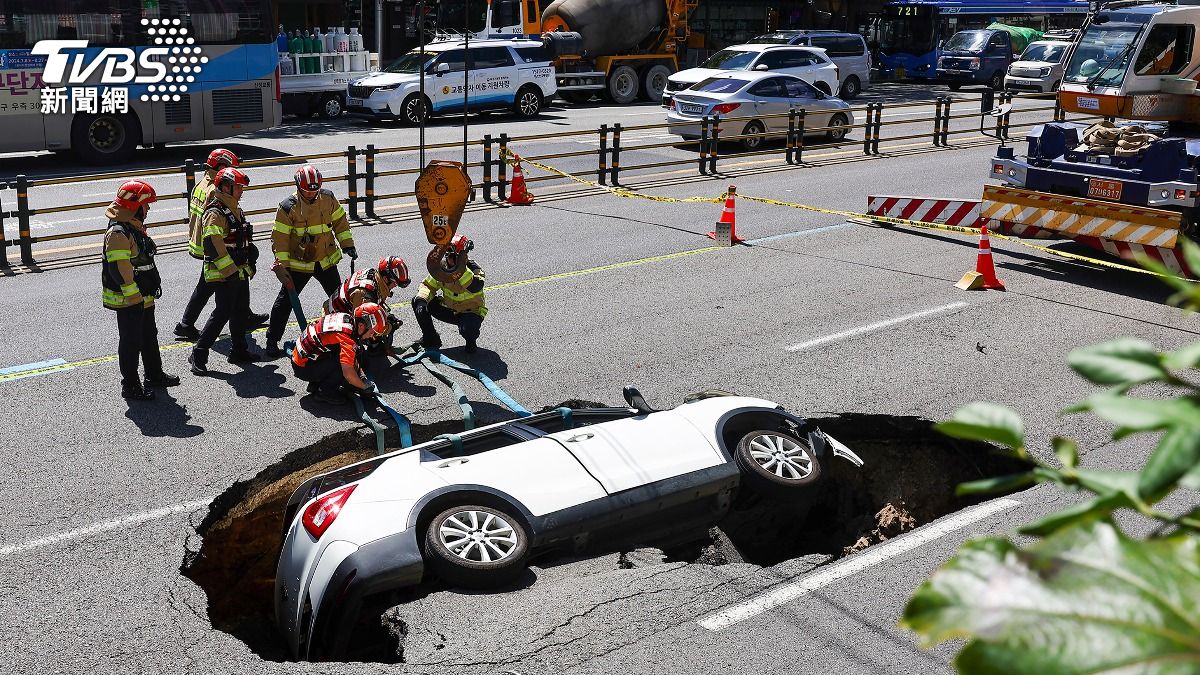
[1135, 63]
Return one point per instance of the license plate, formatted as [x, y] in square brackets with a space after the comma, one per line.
[356, 102]
[691, 108]
[1104, 189]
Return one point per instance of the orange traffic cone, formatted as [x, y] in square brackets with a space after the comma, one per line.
[984, 275]
[519, 195]
[726, 232]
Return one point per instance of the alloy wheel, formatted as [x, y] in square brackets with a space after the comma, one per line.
[478, 536]
[782, 456]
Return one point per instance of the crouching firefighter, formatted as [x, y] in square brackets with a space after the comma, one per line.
[311, 231]
[229, 263]
[326, 355]
[374, 284]
[453, 292]
[131, 283]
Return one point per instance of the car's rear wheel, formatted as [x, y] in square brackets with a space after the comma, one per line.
[954, 86]
[776, 462]
[654, 82]
[851, 88]
[105, 139]
[528, 102]
[753, 135]
[476, 546]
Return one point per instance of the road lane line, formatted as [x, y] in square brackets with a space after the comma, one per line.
[853, 565]
[106, 526]
[34, 369]
[799, 233]
[870, 328]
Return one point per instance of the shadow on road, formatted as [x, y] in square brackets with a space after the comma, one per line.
[163, 417]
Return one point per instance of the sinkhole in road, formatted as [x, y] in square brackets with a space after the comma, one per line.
[908, 480]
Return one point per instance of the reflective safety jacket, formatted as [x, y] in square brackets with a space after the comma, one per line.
[309, 234]
[362, 286]
[199, 198]
[330, 336]
[128, 275]
[465, 294]
[227, 239]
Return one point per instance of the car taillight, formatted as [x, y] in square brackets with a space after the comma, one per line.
[320, 514]
[723, 108]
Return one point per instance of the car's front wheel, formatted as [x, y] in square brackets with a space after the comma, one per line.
[777, 462]
[414, 110]
[528, 102]
[476, 546]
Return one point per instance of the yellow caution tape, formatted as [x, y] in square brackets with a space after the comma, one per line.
[625, 192]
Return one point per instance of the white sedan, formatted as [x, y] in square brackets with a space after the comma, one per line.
[810, 64]
[472, 508]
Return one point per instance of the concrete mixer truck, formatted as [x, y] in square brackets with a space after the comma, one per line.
[626, 48]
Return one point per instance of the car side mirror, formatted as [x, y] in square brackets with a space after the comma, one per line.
[442, 68]
[762, 67]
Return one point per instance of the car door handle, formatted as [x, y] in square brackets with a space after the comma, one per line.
[451, 462]
[580, 437]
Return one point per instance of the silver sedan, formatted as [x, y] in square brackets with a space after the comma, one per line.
[765, 96]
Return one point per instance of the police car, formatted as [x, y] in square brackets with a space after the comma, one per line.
[504, 75]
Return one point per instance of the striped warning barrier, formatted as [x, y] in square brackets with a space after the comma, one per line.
[1077, 216]
[1171, 258]
[961, 212]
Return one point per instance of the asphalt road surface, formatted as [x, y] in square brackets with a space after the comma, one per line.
[589, 293]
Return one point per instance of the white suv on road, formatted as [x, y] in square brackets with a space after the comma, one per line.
[504, 74]
[1040, 67]
[810, 64]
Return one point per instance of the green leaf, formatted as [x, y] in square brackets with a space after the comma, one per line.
[1104, 482]
[1092, 509]
[1086, 600]
[1009, 483]
[1066, 450]
[1191, 479]
[1123, 361]
[1184, 358]
[1177, 454]
[1139, 414]
[986, 422]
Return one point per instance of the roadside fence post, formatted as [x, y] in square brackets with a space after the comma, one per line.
[23, 219]
[1059, 113]
[791, 137]
[937, 121]
[713, 143]
[987, 101]
[3, 241]
[189, 181]
[868, 127]
[945, 132]
[704, 125]
[1007, 99]
[878, 132]
[798, 151]
[602, 162]
[370, 180]
[487, 168]
[352, 181]
[502, 190]
[615, 168]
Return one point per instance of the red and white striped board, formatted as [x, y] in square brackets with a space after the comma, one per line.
[1171, 258]
[960, 212]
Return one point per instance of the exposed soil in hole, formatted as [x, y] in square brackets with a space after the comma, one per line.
[909, 479]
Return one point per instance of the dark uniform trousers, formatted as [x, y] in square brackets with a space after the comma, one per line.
[138, 337]
[468, 322]
[200, 297]
[232, 295]
[330, 281]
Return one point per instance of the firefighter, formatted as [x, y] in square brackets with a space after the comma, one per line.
[229, 263]
[186, 328]
[374, 284]
[326, 355]
[459, 302]
[311, 231]
[131, 283]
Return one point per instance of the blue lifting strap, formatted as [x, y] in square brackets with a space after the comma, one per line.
[454, 439]
[486, 381]
[467, 411]
[402, 423]
[568, 418]
[294, 298]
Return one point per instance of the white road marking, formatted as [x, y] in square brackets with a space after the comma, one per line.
[799, 233]
[870, 328]
[853, 565]
[96, 528]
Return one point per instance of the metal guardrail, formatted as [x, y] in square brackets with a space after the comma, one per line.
[363, 179]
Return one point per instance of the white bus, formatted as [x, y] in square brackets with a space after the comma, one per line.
[193, 70]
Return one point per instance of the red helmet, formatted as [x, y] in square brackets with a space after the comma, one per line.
[373, 316]
[460, 244]
[135, 194]
[395, 269]
[308, 181]
[231, 181]
[221, 158]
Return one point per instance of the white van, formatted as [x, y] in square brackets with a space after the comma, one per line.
[848, 50]
[504, 75]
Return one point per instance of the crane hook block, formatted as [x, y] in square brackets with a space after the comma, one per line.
[442, 193]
